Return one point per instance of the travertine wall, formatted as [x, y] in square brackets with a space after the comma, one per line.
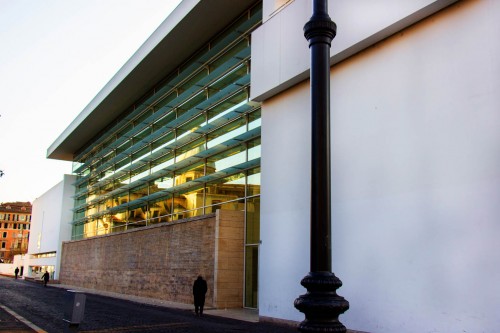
[162, 261]
[229, 259]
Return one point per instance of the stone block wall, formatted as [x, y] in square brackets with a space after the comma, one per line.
[229, 260]
[162, 261]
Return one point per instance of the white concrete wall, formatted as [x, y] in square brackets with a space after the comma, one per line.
[415, 180]
[280, 53]
[50, 223]
[9, 269]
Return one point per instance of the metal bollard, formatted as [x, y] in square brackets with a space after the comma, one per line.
[74, 309]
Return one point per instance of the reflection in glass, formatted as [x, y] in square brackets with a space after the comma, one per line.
[161, 183]
[162, 162]
[138, 192]
[251, 276]
[187, 204]
[190, 173]
[160, 210]
[253, 182]
[253, 221]
[226, 132]
[221, 193]
[137, 217]
[177, 138]
[189, 150]
[226, 159]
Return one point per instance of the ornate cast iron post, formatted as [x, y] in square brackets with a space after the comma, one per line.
[321, 304]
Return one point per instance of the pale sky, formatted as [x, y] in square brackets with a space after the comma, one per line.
[55, 56]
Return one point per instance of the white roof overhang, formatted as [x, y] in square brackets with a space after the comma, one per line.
[192, 24]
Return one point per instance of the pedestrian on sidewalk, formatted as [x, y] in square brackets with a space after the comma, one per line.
[16, 272]
[45, 278]
[199, 291]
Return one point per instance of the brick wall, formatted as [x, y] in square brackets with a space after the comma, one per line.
[162, 261]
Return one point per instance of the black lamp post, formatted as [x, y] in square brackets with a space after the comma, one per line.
[321, 304]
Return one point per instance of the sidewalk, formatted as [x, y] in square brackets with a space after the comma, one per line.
[133, 316]
[248, 315]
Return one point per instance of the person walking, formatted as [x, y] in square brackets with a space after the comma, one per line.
[16, 272]
[45, 278]
[199, 292]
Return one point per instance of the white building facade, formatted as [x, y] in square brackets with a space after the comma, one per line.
[415, 116]
[50, 226]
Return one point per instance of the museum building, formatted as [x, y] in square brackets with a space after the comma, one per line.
[175, 138]
[195, 159]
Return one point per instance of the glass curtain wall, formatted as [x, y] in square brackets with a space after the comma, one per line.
[189, 147]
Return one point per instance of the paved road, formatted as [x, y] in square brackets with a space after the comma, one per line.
[44, 307]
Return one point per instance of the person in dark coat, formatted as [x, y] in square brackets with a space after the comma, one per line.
[199, 291]
[16, 271]
[45, 278]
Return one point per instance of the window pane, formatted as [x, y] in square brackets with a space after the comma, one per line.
[120, 199]
[188, 204]
[162, 162]
[138, 192]
[123, 163]
[226, 189]
[140, 154]
[161, 183]
[251, 278]
[226, 159]
[139, 173]
[167, 99]
[229, 54]
[191, 103]
[190, 149]
[160, 210]
[253, 182]
[163, 141]
[90, 229]
[254, 119]
[118, 221]
[253, 220]
[190, 173]
[191, 126]
[141, 135]
[124, 146]
[254, 149]
[165, 120]
[143, 116]
[226, 132]
[124, 130]
[105, 204]
[227, 106]
[229, 78]
[122, 180]
[193, 79]
[137, 217]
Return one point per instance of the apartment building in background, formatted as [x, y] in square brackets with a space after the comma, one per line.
[15, 222]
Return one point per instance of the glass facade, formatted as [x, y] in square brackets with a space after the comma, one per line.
[187, 148]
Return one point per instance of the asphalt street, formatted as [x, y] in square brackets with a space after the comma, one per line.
[43, 308]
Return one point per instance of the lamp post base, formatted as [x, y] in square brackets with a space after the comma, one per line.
[321, 304]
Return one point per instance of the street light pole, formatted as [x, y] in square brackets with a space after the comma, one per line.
[321, 304]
